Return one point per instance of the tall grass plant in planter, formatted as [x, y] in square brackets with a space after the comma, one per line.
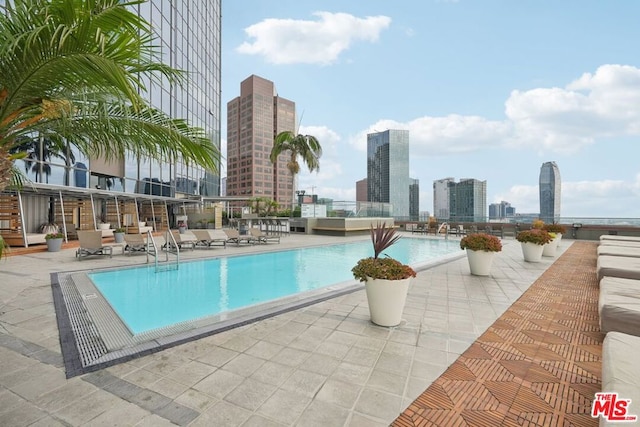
[481, 249]
[386, 279]
[532, 242]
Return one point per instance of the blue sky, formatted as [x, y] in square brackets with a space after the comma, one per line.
[488, 90]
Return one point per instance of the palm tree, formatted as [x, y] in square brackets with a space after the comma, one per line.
[305, 146]
[74, 71]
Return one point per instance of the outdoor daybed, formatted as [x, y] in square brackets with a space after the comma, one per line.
[615, 237]
[618, 266]
[627, 251]
[619, 305]
[621, 370]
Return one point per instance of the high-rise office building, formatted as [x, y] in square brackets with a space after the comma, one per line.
[253, 120]
[388, 170]
[441, 198]
[550, 193]
[501, 210]
[414, 199]
[361, 190]
[468, 200]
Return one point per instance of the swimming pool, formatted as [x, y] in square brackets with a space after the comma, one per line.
[146, 300]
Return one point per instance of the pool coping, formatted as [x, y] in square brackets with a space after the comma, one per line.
[93, 337]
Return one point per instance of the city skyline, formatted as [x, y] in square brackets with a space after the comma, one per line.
[484, 89]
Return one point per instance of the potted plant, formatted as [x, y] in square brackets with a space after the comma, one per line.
[532, 242]
[118, 234]
[549, 249]
[386, 279]
[54, 241]
[481, 249]
[104, 225]
[557, 229]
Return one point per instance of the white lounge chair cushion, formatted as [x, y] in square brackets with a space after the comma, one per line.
[629, 251]
[621, 370]
[619, 305]
[620, 238]
[617, 266]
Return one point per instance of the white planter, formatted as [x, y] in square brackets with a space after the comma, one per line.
[118, 237]
[386, 300]
[104, 226]
[532, 252]
[549, 249]
[480, 262]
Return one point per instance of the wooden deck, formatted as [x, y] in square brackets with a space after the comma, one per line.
[539, 364]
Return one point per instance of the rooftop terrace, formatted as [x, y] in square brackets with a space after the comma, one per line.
[471, 350]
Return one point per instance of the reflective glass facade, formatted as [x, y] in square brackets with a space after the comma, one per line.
[388, 170]
[550, 193]
[468, 200]
[188, 37]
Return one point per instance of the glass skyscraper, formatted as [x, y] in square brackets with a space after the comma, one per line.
[91, 190]
[550, 193]
[388, 170]
[468, 200]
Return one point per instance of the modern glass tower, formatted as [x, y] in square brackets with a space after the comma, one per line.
[388, 170]
[441, 198]
[550, 192]
[468, 200]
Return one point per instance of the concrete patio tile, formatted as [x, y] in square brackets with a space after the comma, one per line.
[362, 356]
[168, 388]
[259, 421]
[154, 420]
[333, 349]
[195, 399]
[239, 343]
[291, 357]
[394, 363]
[370, 343]
[339, 393]
[23, 414]
[219, 384]
[33, 381]
[217, 356]
[142, 377]
[352, 325]
[416, 386]
[121, 413]
[191, 373]
[320, 364]
[244, 365]
[264, 350]
[304, 382]
[250, 394]
[351, 373]
[68, 394]
[222, 414]
[323, 414]
[273, 373]
[387, 381]
[47, 421]
[379, 404]
[273, 407]
[360, 420]
[425, 370]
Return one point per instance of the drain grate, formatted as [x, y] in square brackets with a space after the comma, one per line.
[90, 346]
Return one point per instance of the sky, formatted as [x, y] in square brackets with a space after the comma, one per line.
[488, 89]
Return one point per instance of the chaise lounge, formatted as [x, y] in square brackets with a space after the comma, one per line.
[208, 238]
[91, 244]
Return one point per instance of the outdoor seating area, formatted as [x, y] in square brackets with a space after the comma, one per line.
[618, 272]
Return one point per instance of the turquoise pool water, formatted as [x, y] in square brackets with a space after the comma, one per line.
[146, 300]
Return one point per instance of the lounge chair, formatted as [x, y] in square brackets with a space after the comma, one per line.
[619, 305]
[208, 238]
[91, 244]
[260, 237]
[628, 251]
[134, 243]
[618, 266]
[233, 236]
[185, 240]
[620, 372]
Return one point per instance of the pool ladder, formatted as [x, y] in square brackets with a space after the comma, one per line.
[168, 242]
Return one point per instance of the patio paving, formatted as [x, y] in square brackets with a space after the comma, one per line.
[324, 364]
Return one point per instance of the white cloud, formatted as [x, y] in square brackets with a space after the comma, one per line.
[289, 41]
[548, 120]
